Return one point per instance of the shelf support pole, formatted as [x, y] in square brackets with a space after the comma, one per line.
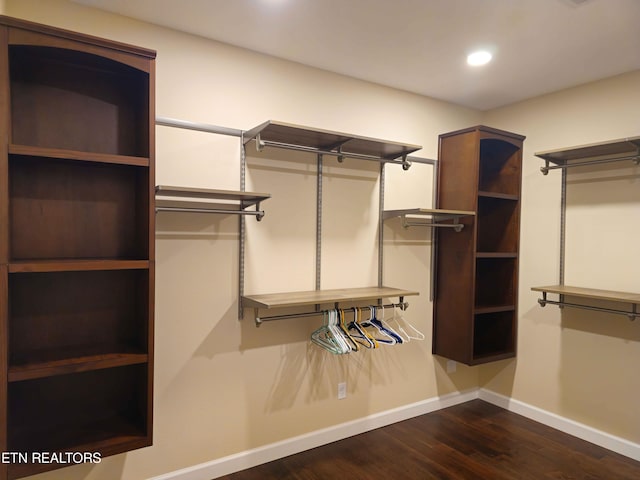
[242, 228]
[319, 224]
[381, 225]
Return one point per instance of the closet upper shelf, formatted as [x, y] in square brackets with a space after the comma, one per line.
[295, 137]
[591, 293]
[205, 200]
[316, 297]
[434, 215]
[593, 153]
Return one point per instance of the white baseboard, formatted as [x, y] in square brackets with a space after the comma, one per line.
[274, 451]
[598, 437]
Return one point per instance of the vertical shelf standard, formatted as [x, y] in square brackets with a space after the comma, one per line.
[475, 307]
[76, 244]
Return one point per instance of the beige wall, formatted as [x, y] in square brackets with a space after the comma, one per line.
[223, 386]
[577, 363]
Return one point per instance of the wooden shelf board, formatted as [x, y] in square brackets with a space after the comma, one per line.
[613, 148]
[313, 138]
[99, 435]
[85, 363]
[436, 214]
[596, 294]
[77, 155]
[496, 255]
[479, 310]
[179, 195]
[492, 357]
[40, 266]
[111, 445]
[499, 196]
[343, 295]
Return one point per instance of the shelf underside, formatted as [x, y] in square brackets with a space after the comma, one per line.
[434, 214]
[305, 137]
[591, 293]
[48, 368]
[180, 194]
[315, 297]
[624, 147]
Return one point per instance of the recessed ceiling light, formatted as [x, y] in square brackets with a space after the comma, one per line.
[481, 57]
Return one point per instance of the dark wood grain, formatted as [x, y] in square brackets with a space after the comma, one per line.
[475, 313]
[77, 176]
[475, 440]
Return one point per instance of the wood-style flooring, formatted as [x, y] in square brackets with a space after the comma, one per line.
[474, 440]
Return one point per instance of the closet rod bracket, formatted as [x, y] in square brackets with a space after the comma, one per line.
[406, 163]
[259, 143]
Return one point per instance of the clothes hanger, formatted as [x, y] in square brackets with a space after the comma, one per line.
[345, 331]
[362, 336]
[323, 337]
[337, 333]
[377, 327]
[417, 334]
[382, 324]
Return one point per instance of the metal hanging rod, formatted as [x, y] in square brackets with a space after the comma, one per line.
[635, 158]
[259, 320]
[260, 144]
[632, 314]
[201, 127]
[456, 226]
[259, 214]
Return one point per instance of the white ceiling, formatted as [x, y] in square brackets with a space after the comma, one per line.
[539, 46]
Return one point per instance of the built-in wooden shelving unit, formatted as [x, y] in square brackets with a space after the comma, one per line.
[77, 244]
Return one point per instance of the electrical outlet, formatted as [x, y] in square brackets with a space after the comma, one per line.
[451, 366]
[342, 390]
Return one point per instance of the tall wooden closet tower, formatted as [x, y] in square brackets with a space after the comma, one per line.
[76, 244]
[475, 314]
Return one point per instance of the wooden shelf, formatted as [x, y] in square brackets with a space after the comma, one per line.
[591, 154]
[44, 152]
[73, 365]
[41, 266]
[206, 200]
[499, 196]
[592, 293]
[496, 254]
[316, 297]
[435, 214]
[283, 135]
[614, 148]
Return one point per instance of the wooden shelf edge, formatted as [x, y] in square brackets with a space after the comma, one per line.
[74, 365]
[307, 137]
[314, 297]
[435, 213]
[492, 357]
[592, 293]
[498, 196]
[42, 266]
[592, 151]
[496, 255]
[494, 309]
[112, 446]
[76, 155]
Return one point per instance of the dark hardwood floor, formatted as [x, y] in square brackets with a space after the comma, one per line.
[474, 440]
